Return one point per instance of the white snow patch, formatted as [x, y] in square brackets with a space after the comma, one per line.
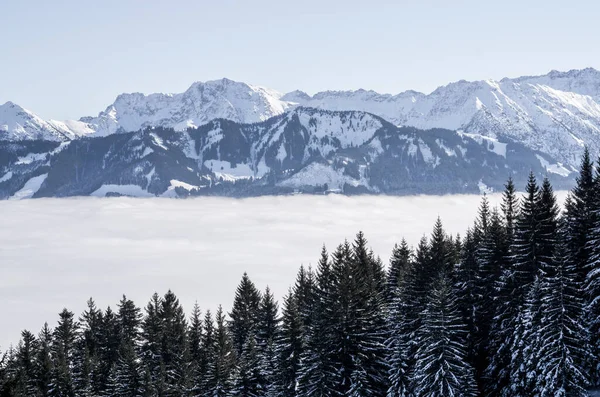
[557, 168]
[225, 170]
[484, 189]
[320, 174]
[30, 188]
[127, 190]
[147, 151]
[170, 192]
[6, 176]
[150, 175]
[375, 144]
[31, 157]
[450, 152]
[158, 141]
[281, 153]
[491, 144]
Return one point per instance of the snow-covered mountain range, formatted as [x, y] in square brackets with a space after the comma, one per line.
[303, 150]
[556, 113]
[297, 140]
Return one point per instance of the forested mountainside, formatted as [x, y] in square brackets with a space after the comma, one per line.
[304, 150]
[510, 308]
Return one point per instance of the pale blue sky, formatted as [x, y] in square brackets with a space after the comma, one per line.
[70, 58]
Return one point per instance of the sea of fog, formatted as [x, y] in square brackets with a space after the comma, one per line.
[57, 253]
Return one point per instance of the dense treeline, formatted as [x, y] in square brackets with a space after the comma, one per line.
[510, 309]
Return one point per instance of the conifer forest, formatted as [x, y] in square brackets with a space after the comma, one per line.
[510, 308]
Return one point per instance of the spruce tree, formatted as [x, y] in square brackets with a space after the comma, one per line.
[150, 348]
[207, 355]
[304, 295]
[26, 365]
[195, 351]
[370, 366]
[592, 279]
[246, 380]
[174, 345]
[399, 263]
[491, 253]
[45, 368]
[441, 367]
[244, 313]
[125, 379]
[564, 349]
[318, 374]
[535, 255]
[497, 374]
[108, 353]
[87, 350]
[289, 348]
[266, 335]
[400, 326]
[63, 349]
[221, 369]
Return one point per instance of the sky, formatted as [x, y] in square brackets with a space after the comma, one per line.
[65, 59]
[199, 248]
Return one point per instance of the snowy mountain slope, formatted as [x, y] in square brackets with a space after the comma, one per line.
[305, 150]
[555, 114]
[17, 123]
[199, 104]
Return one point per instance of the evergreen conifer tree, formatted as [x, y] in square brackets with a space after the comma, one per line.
[63, 349]
[399, 263]
[318, 374]
[400, 325]
[563, 339]
[441, 367]
[497, 374]
[592, 279]
[244, 313]
[266, 335]
[289, 348]
[221, 369]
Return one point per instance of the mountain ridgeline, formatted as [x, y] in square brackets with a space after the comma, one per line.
[302, 150]
[510, 309]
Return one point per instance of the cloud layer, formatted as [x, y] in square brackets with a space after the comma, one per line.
[57, 253]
